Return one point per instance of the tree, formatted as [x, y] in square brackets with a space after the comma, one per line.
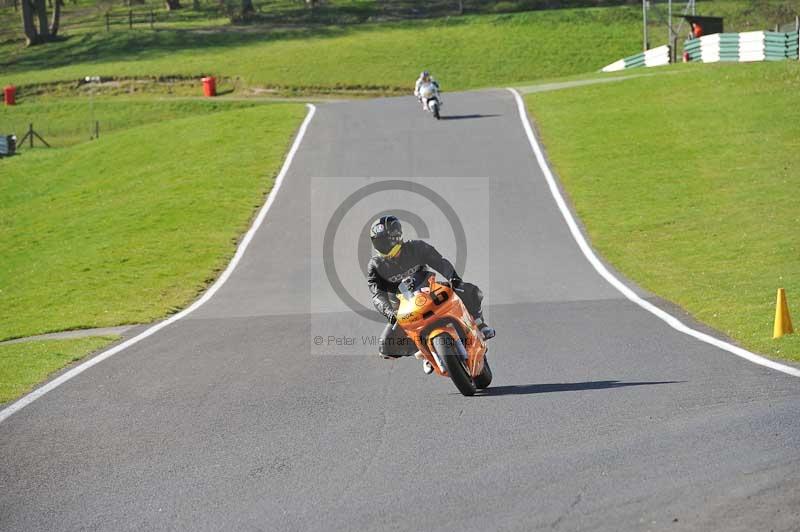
[28, 26]
[172, 5]
[40, 7]
[55, 22]
[34, 21]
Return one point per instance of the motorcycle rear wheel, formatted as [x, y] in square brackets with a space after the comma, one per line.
[446, 349]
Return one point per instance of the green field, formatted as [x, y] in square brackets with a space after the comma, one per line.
[135, 225]
[687, 184]
[464, 51]
[67, 122]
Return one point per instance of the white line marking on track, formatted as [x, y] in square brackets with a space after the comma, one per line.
[77, 370]
[671, 320]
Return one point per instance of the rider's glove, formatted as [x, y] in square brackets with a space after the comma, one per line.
[392, 317]
[456, 282]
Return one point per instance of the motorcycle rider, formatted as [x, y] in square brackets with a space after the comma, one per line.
[397, 260]
[423, 79]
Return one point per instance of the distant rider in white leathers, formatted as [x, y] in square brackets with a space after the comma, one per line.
[423, 79]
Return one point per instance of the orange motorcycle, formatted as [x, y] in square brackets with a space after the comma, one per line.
[435, 318]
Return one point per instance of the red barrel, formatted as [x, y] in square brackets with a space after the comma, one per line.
[210, 86]
[10, 95]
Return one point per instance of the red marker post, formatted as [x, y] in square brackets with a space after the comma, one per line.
[10, 95]
[210, 86]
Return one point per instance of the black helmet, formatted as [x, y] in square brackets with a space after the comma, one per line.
[385, 233]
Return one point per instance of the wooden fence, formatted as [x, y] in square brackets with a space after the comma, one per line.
[130, 18]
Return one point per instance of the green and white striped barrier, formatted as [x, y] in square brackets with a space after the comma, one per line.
[653, 57]
[744, 47]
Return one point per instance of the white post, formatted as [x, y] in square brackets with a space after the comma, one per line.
[670, 39]
[669, 20]
[644, 24]
[91, 80]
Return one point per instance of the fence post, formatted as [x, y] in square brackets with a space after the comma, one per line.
[152, 19]
[130, 19]
[30, 133]
[673, 50]
[108, 23]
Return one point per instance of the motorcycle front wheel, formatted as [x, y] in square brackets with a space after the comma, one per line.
[485, 378]
[445, 347]
[435, 110]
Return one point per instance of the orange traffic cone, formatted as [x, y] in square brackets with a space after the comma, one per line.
[783, 322]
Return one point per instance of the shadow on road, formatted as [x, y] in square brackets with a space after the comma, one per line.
[464, 117]
[525, 389]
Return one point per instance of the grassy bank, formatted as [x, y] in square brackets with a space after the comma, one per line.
[128, 228]
[465, 52]
[66, 122]
[687, 184]
[131, 227]
[22, 366]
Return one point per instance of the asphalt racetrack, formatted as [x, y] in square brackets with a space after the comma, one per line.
[268, 409]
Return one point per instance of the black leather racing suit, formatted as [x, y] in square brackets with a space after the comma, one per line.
[383, 277]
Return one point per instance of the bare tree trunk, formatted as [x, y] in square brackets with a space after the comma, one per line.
[55, 22]
[173, 4]
[195, 4]
[28, 26]
[41, 14]
[460, 7]
[247, 7]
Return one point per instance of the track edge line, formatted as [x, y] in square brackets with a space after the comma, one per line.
[624, 289]
[27, 399]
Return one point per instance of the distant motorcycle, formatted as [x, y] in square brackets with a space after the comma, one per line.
[435, 318]
[429, 94]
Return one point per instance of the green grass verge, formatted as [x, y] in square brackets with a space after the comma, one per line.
[66, 122]
[688, 184]
[24, 365]
[133, 226]
[464, 52]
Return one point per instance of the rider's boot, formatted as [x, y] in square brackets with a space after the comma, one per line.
[488, 332]
[426, 366]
